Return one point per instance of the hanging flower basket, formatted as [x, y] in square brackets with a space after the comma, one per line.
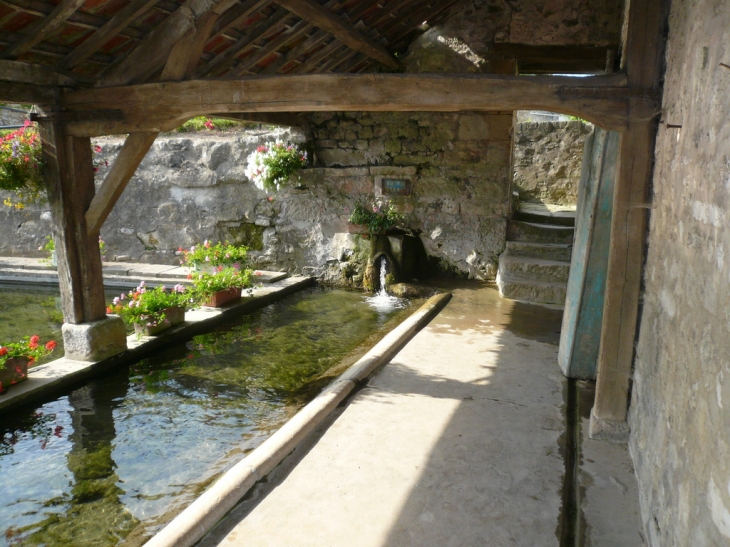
[174, 315]
[14, 372]
[271, 166]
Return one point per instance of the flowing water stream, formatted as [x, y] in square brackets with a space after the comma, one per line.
[110, 462]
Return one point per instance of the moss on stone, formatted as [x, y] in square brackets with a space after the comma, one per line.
[247, 233]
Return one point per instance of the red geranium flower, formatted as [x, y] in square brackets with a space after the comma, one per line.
[51, 345]
[3, 351]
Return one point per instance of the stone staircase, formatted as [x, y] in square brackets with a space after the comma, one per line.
[534, 268]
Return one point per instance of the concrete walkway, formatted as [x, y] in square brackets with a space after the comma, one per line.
[459, 441]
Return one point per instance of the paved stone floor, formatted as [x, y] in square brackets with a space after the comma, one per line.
[459, 441]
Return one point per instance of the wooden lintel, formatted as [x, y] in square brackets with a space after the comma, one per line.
[131, 155]
[29, 73]
[160, 106]
[41, 29]
[288, 119]
[324, 19]
[16, 92]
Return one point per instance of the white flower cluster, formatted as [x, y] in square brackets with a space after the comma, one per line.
[258, 168]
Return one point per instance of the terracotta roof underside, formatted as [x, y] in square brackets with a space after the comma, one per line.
[252, 37]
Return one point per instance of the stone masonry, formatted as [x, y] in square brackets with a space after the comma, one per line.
[680, 407]
[548, 158]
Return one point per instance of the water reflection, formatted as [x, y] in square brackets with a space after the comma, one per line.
[120, 456]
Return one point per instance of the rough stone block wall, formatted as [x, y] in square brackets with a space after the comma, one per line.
[192, 187]
[461, 165]
[547, 160]
[464, 42]
[680, 407]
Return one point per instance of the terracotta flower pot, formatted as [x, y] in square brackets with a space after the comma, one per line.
[356, 228]
[14, 371]
[226, 296]
[174, 315]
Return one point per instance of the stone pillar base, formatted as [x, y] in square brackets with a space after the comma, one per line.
[608, 430]
[96, 340]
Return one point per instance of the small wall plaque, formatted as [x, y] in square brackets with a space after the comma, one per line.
[396, 187]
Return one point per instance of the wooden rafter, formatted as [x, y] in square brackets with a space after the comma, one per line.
[284, 38]
[152, 52]
[225, 59]
[292, 56]
[600, 99]
[347, 34]
[109, 30]
[42, 28]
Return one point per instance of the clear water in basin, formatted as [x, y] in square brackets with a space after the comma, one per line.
[112, 461]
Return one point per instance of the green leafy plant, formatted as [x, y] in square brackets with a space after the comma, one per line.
[205, 284]
[21, 166]
[271, 166]
[29, 346]
[220, 254]
[203, 123]
[146, 306]
[50, 245]
[376, 218]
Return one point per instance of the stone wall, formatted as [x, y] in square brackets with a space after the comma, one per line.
[680, 407]
[547, 161]
[191, 188]
[464, 43]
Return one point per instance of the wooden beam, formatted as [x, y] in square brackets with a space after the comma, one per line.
[40, 30]
[324, 19]
[69, 176]
[644, 51]
[15, 92]
[600, 99]
[554, 59]
[28, 73]
[286, 119]
[121, 20]
[130, 156]
[152, 52]
[186, 53]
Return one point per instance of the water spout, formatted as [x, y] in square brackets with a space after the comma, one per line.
[383, 292]
[382, 301]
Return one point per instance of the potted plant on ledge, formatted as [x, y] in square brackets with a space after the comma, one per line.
[221, 287]
[16, 358]
[208, 257]
[151, 311]
[373, 220]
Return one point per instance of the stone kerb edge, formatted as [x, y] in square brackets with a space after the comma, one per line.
[199, 518]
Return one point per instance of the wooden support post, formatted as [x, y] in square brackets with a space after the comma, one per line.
[69, 174]
[644, 51]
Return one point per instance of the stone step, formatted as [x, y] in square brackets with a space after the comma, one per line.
[533, 269]
[534, 292]
[546, 213]
[532, 232]
[548, 251]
